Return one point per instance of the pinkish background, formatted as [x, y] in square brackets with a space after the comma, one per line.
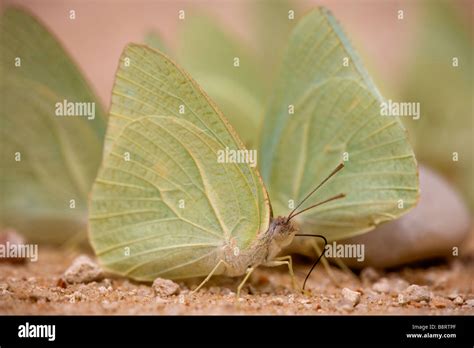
[102, 28]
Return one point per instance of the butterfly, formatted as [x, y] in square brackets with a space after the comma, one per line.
[48, 160]
[164, 205]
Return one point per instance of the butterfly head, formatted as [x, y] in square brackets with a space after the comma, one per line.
[282, 231]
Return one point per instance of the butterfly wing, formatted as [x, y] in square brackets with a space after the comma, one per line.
[336, 118]
[46, 161]
[235, 85]
[163, 205]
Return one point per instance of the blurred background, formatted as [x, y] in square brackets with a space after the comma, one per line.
[409, 58]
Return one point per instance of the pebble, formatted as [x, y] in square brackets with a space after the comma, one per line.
[399, 285]
[305, 301]
[453, 295]
[215, 290]
[277, 301]
[160, 301]
[470, 303]
[345, 306]
[369, 275]
[458, 300]
[165, 287]
[382, 286]
[83, 270]
[414, 293]
[227, 291]
[372, 296]
[440, 302]
[103, 289]
[390, 286]
[11, 237]
[352, 297]
[438, 223]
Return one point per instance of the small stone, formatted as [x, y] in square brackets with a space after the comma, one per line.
[107, 283]
[226, 291]
[453, 295]
[344, 305]
[382, 286]
[372, 296]
[398, 285]
[160, 301]
[352, 297]
[369, 275]
[277, 301]
[414, 293]
[402, 299]
[77, 296]
[83, 270]
[165, 287]
[305, 301]
[10, 237]
[61, 283]
[215, 290]
[470, 303]
[440, 302]
[458, 300]
[102, 289]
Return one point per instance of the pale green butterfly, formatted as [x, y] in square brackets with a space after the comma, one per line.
[326, 109]
[163, 204]
[48, 162]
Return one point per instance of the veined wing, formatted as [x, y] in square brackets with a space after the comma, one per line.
[163, 204]
[336, 118]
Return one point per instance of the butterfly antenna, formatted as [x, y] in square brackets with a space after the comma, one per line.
[320, 256]
[338, 168]
[339, 196]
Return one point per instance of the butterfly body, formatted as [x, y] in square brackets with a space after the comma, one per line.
[263, 250]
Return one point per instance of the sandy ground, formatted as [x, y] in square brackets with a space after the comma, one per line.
[34, 288]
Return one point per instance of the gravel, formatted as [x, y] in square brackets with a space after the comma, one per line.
[83, 270]
[165, 287]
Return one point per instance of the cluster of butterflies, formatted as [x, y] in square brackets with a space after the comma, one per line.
[161, 204]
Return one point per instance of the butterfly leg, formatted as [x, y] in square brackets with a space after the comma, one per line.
[221, 262]
[242, 283]
[328, 268]
[284, 260]
[344, 267]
